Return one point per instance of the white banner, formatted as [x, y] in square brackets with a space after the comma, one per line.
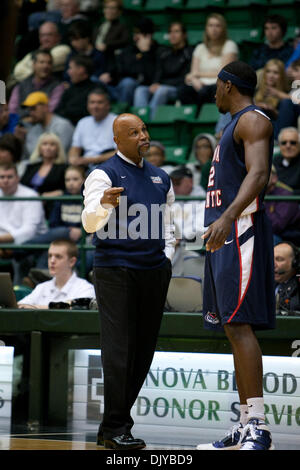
[191, 390]
[6, 382]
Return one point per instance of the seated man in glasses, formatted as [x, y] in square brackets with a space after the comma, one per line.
[287, 164]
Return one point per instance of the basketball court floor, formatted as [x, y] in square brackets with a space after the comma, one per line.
[84, 439]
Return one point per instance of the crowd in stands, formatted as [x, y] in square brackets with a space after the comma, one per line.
[68, 73]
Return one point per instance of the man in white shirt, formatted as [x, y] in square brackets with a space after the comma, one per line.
[65, 285]
[20, 220]
[93, 140]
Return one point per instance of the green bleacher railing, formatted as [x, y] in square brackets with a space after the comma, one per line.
[82, 246]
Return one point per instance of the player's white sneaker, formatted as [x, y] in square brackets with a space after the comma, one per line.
[256, 436]
[232, 440]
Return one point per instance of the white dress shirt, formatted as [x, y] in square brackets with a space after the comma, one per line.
[22, 219]
[94, 216]
[47, 291]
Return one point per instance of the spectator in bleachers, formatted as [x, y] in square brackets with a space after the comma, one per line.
[47, 164]
[286, 273]
[135, 65]
[42, 79]
[287, 164]
[54, 13]
[275, 27]
[65, 284]
[173, 64]
[201, 155]
[8, 121]
[70, 12]
[93, 140]
[112, 35]
[43, 120]
[157, 156]
[188, 215]
[72, 105]
[208, 58]
[64, 218]
[10, 149]
[289, 107]
[49, 39]
[284, 215]
[80, 37]
[20, 220]
[183, 182]
[272, 88]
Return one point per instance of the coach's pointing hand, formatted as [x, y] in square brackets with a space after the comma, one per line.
[111, 197]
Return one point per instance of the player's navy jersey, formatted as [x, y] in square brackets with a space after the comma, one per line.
[228, 170]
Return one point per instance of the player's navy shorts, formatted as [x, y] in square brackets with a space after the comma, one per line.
[239, 277]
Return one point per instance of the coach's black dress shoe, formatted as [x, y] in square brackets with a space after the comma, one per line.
[123, 442]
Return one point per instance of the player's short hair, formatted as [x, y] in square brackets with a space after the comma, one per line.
[72, 249]
[245, 73]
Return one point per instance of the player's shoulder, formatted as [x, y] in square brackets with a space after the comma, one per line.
[254, 120]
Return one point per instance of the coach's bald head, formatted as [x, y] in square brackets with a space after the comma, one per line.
[131, 136]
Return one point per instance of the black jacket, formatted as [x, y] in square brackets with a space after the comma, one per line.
[136, 64]
[289, 175]
[173, 65]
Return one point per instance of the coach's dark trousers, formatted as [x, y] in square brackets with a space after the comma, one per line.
[131, 304]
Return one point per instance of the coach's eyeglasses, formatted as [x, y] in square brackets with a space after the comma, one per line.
[292, 142]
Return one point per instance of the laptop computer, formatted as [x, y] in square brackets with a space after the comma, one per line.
[7, 294]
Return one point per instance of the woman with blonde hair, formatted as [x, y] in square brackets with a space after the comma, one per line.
[209, 58]
[272, 88]
[45, 171]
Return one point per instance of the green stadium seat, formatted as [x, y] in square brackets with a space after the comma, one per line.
[176, 154]
[198, 4]
[119, 108]
[194, 20]
[133, 4]
[162, 37]
[240, 35]
[209, 113]
[282, 2]
[290, 12]
[244, 3]
[154, 5]
[194, 37]
[204, 122]
[142, 111]
[175, 4]
[292, 31]
[170, 113]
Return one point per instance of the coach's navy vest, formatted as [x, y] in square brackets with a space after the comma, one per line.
[228, 171]
[134, 234]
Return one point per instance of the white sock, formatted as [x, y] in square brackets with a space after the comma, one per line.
[243, 414]
[256, 408]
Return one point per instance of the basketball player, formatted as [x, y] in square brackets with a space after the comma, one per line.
[239, 279]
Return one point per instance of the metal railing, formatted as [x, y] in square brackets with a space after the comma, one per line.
[82, 246]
